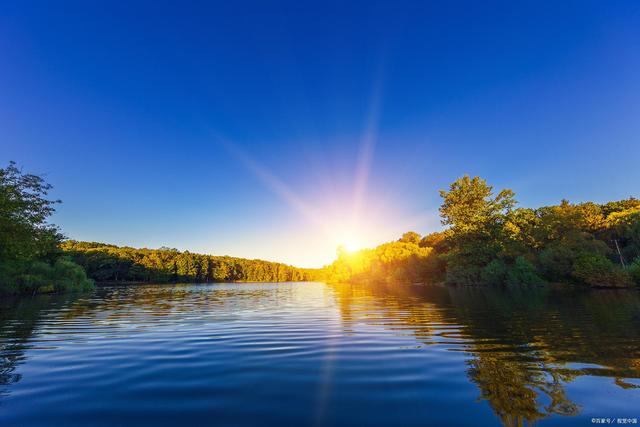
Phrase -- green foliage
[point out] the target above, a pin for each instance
(494, 273)
(477, 222)
(400, 261)
(598, 271)
(491, 241)
(41, 277)
(24, 209)
(556, 262)
(520, 272)
(634, 271)
(410, 237)
(437, 241)
(109, 263)
(30, 260)
(470, 205)
(557, 259)
(462, 271)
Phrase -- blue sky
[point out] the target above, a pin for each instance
(277, 130)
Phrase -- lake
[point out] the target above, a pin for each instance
(313, 354)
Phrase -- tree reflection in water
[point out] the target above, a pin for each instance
(524, 344)
(19, 319)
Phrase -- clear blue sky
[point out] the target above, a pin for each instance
(276, 131)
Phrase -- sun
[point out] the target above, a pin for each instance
(351, 243)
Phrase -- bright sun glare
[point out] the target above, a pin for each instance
(351, 243)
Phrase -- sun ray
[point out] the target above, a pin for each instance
(272, 182)
(367, 146)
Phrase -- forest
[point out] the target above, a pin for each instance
(109, 263)
(489, 240)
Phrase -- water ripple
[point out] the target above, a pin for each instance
(316, 354)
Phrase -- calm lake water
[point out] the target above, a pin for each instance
(311, 354)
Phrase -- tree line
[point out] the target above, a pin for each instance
(36, 258)
(110, 263)
(488, 239)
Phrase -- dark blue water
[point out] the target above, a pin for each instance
(319, 355)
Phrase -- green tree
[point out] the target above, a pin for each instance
(30, 259)
(410, 237)
(25, 234)
(470, 205)
(477, 221)
(598, 271)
